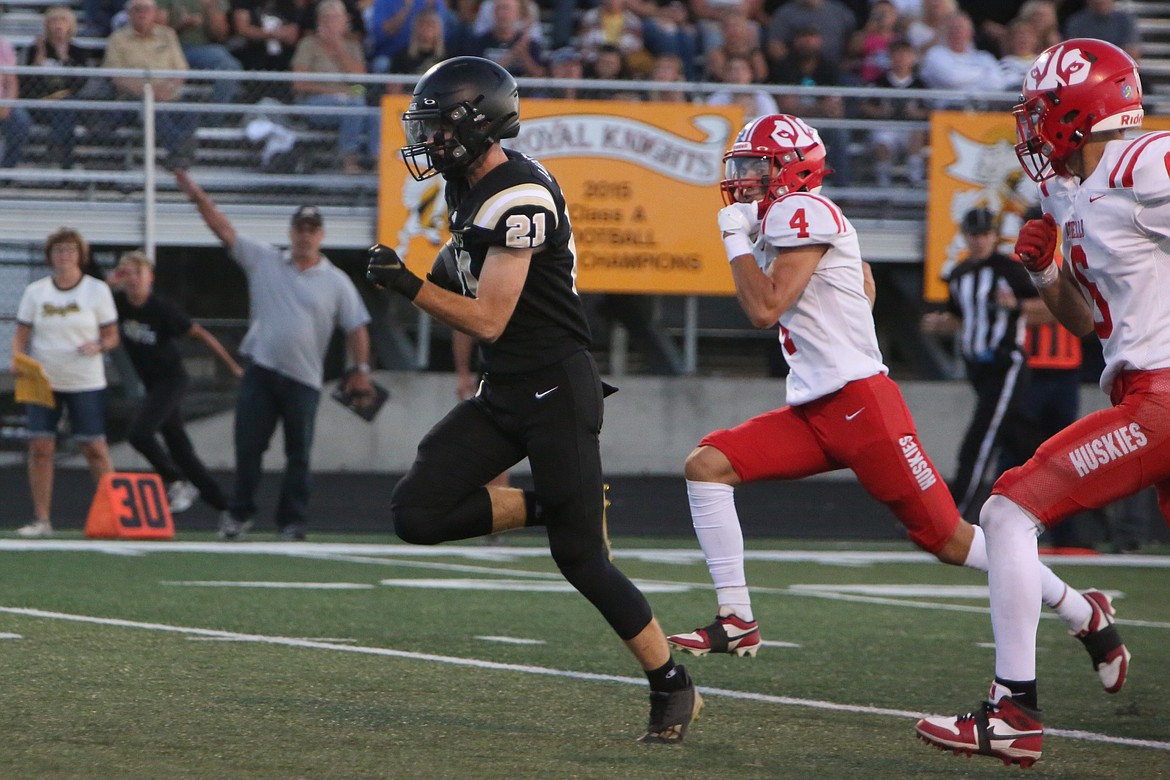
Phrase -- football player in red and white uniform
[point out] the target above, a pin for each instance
(1111, 198)
(795, 260)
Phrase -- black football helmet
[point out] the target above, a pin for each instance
(459, 108)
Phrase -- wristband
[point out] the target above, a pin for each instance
(737, 244)
(408, 285)
(1045, 278)
(362, 368)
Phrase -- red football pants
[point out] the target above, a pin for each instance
(1103, 457)
(865, 426)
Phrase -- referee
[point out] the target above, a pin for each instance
(989, 295)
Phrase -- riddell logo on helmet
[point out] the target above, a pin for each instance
(1132, 119)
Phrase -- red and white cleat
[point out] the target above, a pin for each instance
(1006, 730)
(1099, 636)
(728, 634)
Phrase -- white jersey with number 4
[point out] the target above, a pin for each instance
(1115, 228)
(827, 335)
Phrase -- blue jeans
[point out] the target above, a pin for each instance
(215, 56)
(174, 129)
(353, 129)
(87, 415)
(266, 398)
(15, 130)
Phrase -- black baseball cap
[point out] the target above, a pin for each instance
(978, 221)
(310, 215)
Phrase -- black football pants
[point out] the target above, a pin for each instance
(553, 416)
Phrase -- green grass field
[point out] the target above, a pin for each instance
(185, 659)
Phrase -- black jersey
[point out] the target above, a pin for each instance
(519, 205)
(990, 332)
(149, 332)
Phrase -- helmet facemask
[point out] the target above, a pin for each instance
(1040, 156)
(764, 178)
(749, 179)
(447, 141)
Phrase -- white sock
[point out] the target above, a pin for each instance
(1055, 592)
(977, 555)
(1014, 576)
(717, 528)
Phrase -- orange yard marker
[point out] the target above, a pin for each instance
(130, 505)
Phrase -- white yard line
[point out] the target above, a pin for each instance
(477, 663)
(275, 585)
(681, 556)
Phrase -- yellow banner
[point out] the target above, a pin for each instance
(973, 164)
(641, 181)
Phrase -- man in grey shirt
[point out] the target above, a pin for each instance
(297, 298)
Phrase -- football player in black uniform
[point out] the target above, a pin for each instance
(507, 277)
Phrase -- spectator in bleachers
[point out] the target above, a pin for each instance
(667, 29)
(353, 11)
(146, 45)
(1021, 48)
(529, 19)
(956, 64)
(426, 46)
(807, 66)
(15, 122)
(741, 38)
(612, 23)
(1101, 19)
(56, 47)
(459, 27)
(565, 63)
(738, 70)
(509, 44)
(330, 51)
(203, 28)
(990, 19)
(869, 48)
(390, 25)
(669, 68)
(266, 35)
(928, 28)
(65, 321)
(609, 65)
(709, 15)
(99, 17)
(831, 18)
(1041, 14)
(891, 145)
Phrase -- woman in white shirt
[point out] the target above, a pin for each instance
(66, 321)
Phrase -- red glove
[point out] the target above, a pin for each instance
(1036, 244)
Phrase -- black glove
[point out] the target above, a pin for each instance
(387, 270)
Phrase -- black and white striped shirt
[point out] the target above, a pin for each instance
(990, 332)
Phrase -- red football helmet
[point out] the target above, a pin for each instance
(1075, 88)
(771, 156)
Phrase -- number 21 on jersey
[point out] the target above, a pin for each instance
(525, 232)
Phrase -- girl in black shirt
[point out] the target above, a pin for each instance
(149, 326)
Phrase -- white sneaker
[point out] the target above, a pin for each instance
(230, 528)
(181, 495)
(37, 529)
